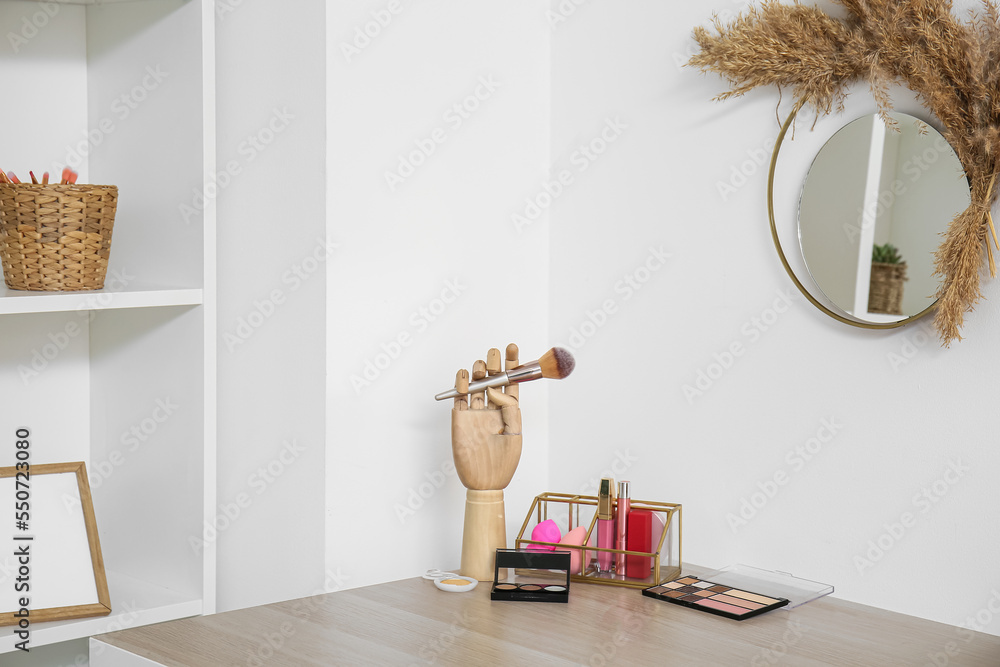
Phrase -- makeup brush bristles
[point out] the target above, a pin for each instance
(556, 364)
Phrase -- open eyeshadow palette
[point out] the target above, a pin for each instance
(531, 576)
(718, 599)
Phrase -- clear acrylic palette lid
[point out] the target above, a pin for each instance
(771, 583)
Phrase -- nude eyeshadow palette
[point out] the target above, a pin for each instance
(531, 576)
(718, 599)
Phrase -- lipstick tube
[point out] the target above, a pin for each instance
(622, 507)
(605, 524)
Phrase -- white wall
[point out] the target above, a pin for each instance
(905, 409)
(677, 174)
(271, 228)
(56, 54)
(432, 260)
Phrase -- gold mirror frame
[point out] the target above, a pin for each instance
(943, 58)
(784, 260)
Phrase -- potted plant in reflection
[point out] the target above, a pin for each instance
(885, 293)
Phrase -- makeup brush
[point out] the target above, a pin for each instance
(555, 364)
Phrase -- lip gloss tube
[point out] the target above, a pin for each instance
(605, 524)
(621, 524)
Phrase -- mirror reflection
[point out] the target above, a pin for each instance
(872, 209)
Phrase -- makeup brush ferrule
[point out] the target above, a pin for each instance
(524, 373)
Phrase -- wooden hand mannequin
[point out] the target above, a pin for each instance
(486, 445)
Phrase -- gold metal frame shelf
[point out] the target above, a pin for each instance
(664, 566)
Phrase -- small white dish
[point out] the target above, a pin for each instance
(456, 584)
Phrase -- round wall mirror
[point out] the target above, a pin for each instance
(872, 210)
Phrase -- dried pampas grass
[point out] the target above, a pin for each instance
(952, 65)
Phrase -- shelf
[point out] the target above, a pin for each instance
(14, 302)
(124, 92)
(133, 603)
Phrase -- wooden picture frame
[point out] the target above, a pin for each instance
(66, 569)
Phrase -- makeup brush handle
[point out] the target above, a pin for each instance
(500, 380)
(513, 376)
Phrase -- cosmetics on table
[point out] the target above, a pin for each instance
(639, 537)
(575, 538)
(771, 583)
(718, 599)
(655, 545)
(450, 582)
(546, 531)
(606, 524)
(622, 506)
(456, 584)
(531, 576)
(614, 531)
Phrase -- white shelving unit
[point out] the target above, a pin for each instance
(122, 378)
(14, 302)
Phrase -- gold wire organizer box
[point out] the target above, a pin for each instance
(566, 510)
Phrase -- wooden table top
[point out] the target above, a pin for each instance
(410, 622)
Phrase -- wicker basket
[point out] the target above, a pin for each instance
(885, 294)
(56, 238)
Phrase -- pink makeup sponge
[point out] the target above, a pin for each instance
(546, 531)
(575, 538)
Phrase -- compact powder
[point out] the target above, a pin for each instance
(555, 589)
(530, 587)
(505, 587)
(456, 582)
(673, 584)
(687, 581)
